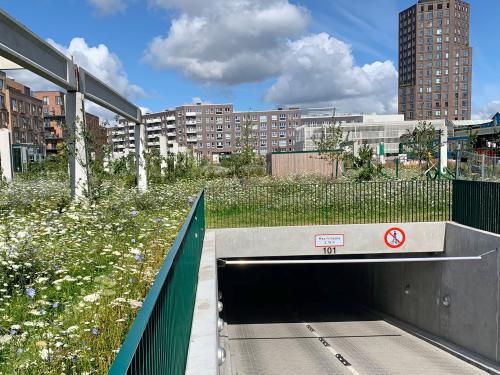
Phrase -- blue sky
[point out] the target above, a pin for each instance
(258, 54)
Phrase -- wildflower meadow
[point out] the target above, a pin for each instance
(73, 275)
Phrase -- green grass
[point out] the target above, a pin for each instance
(286, 204)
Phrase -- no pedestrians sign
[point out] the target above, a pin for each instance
(395, 238)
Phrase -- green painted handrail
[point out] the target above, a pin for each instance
(158, 340)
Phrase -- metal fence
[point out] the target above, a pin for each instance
(158, 341)
(327, 203)
(477, 204)
(478, 167)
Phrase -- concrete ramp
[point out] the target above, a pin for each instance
(358, 239)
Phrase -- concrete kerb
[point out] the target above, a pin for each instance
(204, 342)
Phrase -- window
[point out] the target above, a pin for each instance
(274, 117)
(263, 126)
(1, 84)
(2, 101)
(58, 100)
(14, 105)
(263, 119)
(282, 134)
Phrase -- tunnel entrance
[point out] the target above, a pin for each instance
(316, 319)
(297, 293)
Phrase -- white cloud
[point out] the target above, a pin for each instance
(99, 61)
(487, 111)
(227, 41)
(320, 70)
(230, 42)
(33, 81)
(102, 63)
(145, 110)
(109, 7)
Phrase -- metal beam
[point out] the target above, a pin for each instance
(103, 95)
(21, 46)
(347, 261)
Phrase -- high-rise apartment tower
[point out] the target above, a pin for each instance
(435, 61)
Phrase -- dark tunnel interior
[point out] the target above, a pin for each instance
(294, 293)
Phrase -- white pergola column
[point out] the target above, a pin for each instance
(6, 155)
(140, 160)
(77, 151)
(163, 151)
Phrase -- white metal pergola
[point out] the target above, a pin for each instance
(22, 49)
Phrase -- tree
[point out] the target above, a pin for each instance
(367, 168)
(242, 162)
(331, 145)
(421, 142)
(472, 141)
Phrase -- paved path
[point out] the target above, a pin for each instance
(349, 345)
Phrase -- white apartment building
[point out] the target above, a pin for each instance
(371, 130)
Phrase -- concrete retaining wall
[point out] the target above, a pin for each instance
(457, 301)
(300, 241)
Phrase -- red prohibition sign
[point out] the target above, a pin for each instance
(395, 238)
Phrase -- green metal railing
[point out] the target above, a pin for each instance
(158, 341)
(477, 204)
(328, 203)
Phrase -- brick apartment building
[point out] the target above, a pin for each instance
(212, 130)
(21, 113)
(54, 117)
(274, 130)
(435, 61)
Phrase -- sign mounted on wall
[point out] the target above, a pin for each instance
(395, 238)
(329, 240)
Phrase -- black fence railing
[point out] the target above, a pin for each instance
(296, 204)
(477, 204)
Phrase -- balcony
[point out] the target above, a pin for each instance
(190, 114)
(171, 134)
(153, 121)
(170, 118)
(192, 139)
(171, 126)
(191, 131)
(191, 122)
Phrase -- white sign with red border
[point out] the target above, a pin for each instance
(395, 238)
(329, 240)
